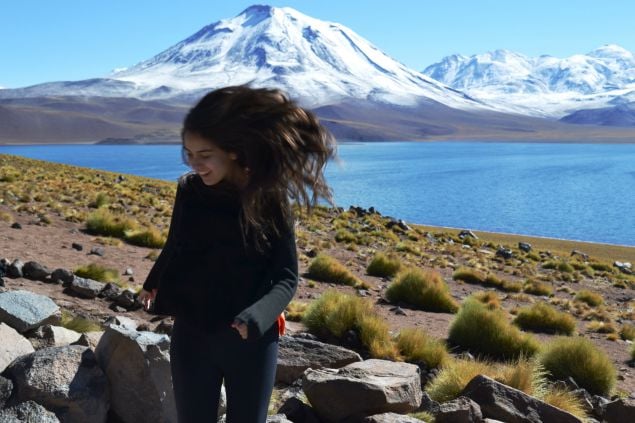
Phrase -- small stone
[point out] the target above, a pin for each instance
(128, 272)
(76, 246)
(16, 225)
(98, 251)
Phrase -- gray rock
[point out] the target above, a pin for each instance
(66, 380)
(86, 288)
(15, 269)
(165, 327)
(62, 276)
(467, 234)
(505, 253)
(89, 339)
(391, 418)
(524, 246)
(128, 300)
(24, 310)
(77, 246)
(27, 412)
(6, 388)
(619, 411)
(295, 355)
(52, 336)
(460, 410)
(501, 402)
(98, 251)
(122, 321)
(624, 267)
(363, 389)
(584, 256)
(12, 345)
(298, 411)
(35, 271)
(110, 291)
(278, 418)
(137, 365)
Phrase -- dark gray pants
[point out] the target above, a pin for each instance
(201, 361)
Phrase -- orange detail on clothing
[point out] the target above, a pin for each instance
(281, 324)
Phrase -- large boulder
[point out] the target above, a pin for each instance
(363, 389)
(391, 418)
(35, 271)
(502, 402)
(66, 380)
(12, 345)
(459, 410)
(137, 365)
(27, 412)
(295, 355)
(620, 410)
(6, 388)
(24, 310)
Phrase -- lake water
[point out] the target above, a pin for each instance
(571, 191)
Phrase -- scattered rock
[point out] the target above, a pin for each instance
(625, 267)
(110, 291)
(86, 288)
(52, 336)
(165, 327)
(582, 255)
(467, 234)
(128, 272)
(66, 380)
(35, 271)
(89, 339)
(296, 354)
(24, 310)
(63, 276)
(524, 246)
(27, 412)
(505, 253)
(363, 389)
(391, 418)
(6, 389)
(501, 402)
(297, 411)
(619, 411)
(128, 300)
(460, 410)
(137, 365)
(123, 321)
(16, 225)
(15, 269)
(398, 311)
(76, 246)
(98, 251)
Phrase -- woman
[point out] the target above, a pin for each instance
(229, 266)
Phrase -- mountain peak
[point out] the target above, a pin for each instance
(611, 51)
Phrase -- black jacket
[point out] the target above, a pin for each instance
(206, 273)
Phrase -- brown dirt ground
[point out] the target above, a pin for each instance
(50, 245)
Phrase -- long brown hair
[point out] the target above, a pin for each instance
(283, 146)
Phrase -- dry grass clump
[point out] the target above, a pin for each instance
(104, 222)
(633, 352)
(580, 359)
(295, 311)
(97, 272)
(383, 265)
(565, 400)
(541, 317)
(489, 298)
(589, 297)
(416, 346)
(468, 275)
(488, 332)
(424, 289)
(601, 327)
(535, 287)
(328, 269)
(6, 217)
(151, 238)
(627, 332)
(335, 313)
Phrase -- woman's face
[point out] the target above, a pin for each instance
(210, 162)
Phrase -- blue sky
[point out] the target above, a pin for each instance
(43, 41)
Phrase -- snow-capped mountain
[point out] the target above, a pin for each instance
(541, 85)
(315, 61)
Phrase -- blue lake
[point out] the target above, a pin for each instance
(571, 191)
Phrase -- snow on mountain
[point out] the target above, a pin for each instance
(316, 61)
(542, 85)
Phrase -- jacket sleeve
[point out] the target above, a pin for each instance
(152, 280)
(283, 279)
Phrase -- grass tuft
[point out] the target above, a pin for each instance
(580, 359)
(295, 311)
(418, 347)
(327, 269)
(78, 323)
(589, 297)
(535, 287)
(541, 317)
(150, 238)
(488, 332)
(425, 290)
(97, 272)
(383, 265)
(104, 222)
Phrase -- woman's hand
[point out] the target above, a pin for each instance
(146, 298)
(241, 328)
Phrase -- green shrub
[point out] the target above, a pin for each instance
(327, 269)
(97, 272)
(103, 222)
(488, 332)
(601, 267)
(342, 235)
(589, 297)
(565, 400)
(295, 311)
(78, 323)
(383, 266)
(101, 199)
(489, 298)
(537, 288)
(416, 346)
(150, 238)
(541, 317)
(580, 359)
(335, 313)
(425, 290)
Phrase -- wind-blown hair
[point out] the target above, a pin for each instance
(283, 146)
